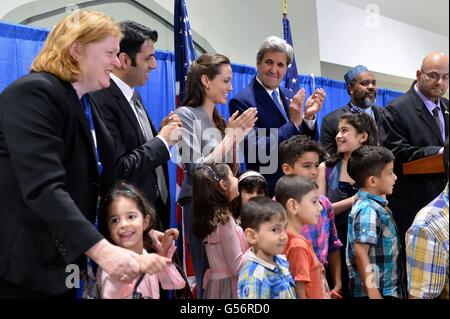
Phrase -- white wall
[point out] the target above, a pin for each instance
(329, 36)
(347, 38)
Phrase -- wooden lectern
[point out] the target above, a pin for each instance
(427, 165)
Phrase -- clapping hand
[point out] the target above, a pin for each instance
(314, 104)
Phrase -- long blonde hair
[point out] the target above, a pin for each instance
(82, 26)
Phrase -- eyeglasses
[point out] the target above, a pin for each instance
(435, 77)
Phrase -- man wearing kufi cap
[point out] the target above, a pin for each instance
(362, 88)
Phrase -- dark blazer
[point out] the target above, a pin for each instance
(269, 116)
(412, 133)
(330, 123)
(49, 182)
(135, 159)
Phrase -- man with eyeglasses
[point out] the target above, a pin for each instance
(416, 126)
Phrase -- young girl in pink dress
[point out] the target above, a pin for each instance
(126, 219)
(215, 187)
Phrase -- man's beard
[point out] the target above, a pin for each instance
(366, 102)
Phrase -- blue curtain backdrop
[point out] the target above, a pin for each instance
(20, 44)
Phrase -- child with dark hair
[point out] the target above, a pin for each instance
(214, 187)
(127, 220)
(373, 248)
(250, 184)
(354, 131)
(300, 196)
(301, 156)
(266, 274)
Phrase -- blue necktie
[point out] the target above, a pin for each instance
(278, 104)
(87, 110)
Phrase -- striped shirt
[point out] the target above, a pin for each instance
(370, 222)
(261, 280)
(427, 250)
(323, 235)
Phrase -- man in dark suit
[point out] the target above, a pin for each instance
(416, 126)
(278, 108)
(135, 136)
(362, 88)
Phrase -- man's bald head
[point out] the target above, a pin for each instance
(432, 78)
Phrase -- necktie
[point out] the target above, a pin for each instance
(436, 118)
(88, 112)
(148, 134)
(278, 104)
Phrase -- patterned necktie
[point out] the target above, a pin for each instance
(278, 104)
(436, 118)
(148, 134)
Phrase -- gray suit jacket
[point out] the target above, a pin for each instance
(199, 137)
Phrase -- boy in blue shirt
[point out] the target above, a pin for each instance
(266, 273)
(373, 247)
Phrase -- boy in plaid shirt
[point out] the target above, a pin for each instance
(266, 273)
(373, 247)
(427, 248)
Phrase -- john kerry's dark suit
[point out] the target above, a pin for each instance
(269, 116)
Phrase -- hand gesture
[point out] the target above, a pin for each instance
(241, 125)
(169, 118)
(171, 129)
(118, 262)
(296, 107)
(151, 263)
(164, 242)
(314, 104)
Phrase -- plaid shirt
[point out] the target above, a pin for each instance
(323, 235)
(261, 280)
(370, 222)
(427, 250)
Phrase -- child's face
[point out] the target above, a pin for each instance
(309, 208)
(232, 186)
(247, 195)
(271, 238)
(306, 165)
(126, 224)
(384, 184)
(348, 139)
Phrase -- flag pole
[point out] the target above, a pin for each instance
(284, 8)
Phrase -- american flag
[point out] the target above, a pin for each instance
(184, 55)
(291, 73)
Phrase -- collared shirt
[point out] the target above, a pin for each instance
(370, 222)
(261, 280)
(128, 92)
(430, 107)
(309, 123)
(323, 235)
(427, 241)
(356, 109)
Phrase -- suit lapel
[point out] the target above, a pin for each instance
(444, 105)
(154, 131)
(126, 108)
(78, 108)
(265, 101)
(286, 103)
(425, 115)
